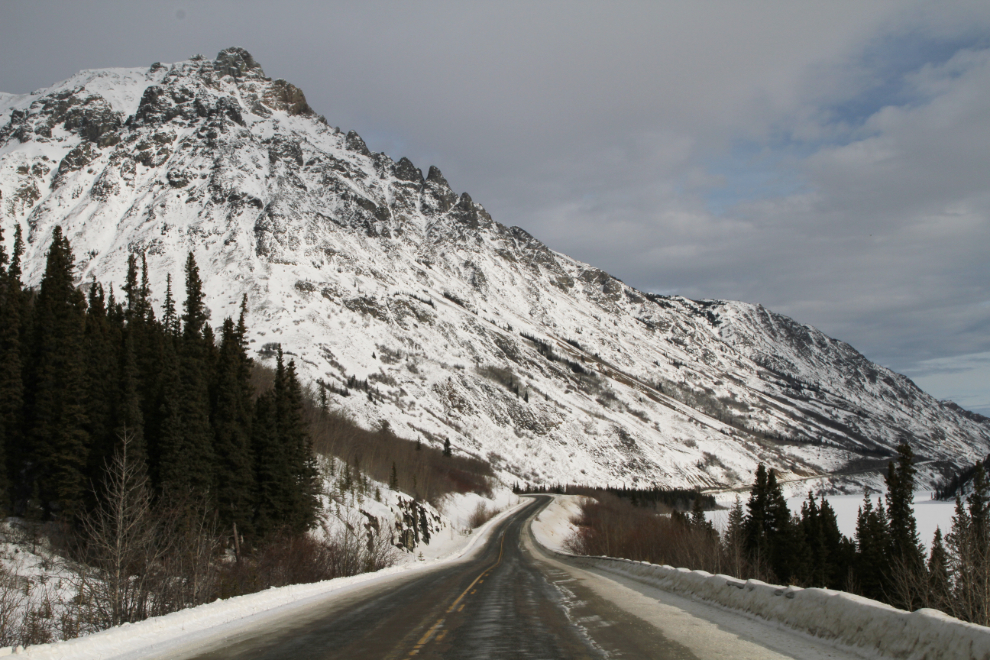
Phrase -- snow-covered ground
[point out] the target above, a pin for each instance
(928, 512)
(553, 527)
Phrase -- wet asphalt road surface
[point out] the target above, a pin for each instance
(507, 601)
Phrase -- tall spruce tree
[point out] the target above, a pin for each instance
(129, 417)
(939, 582)
(167, 452)
(58, 439)
(785, 540)
(905, 558)
(768, 528)
(904, 541)
(296, 444)
(9, 409)
(11, 375)
(232, 424)
(170, 318)
(755, 525)
(102, 340)
(872, 547)
(197, 449)
(273, 475)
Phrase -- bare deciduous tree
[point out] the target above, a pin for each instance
(124, 546)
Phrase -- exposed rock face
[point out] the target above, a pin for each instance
(463, 328)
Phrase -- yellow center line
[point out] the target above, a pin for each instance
(501, 547)
(478, 580)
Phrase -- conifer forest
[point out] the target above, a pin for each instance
(86, 374)
(764, 540)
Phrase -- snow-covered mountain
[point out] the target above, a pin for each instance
(463, 328)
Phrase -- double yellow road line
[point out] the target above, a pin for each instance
(425, 639)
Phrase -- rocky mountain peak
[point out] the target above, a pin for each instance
(416, 306)
(237, 63)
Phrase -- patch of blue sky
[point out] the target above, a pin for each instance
(887, 66)
(752, 172)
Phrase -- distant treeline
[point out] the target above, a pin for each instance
(950, 488)
(657, 498)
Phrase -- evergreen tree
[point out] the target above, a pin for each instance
(59, 442)
(272, 474)
(194, 309)
(904, 542)
(102, 340)
(756, 524)
(296, 444)
(168, 460)
(784, 539)
(813, 569)
(978, 503)
(735, 539)
(143, 308)
(129, 418)
(131, 288)
(698, 519)
(232, 425)
(969, 547)
(393, 482)
(170, 318)
(446, 447)
(939, 584)
(424, 524)
(197, 434)
(10, 382)
(839, 550)
(872, 546)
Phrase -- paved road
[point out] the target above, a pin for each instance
(512, 600)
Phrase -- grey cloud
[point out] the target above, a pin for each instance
(595, 127)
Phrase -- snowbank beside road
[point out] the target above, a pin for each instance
(858, 623)
(553, 526)
(862, 625)
(172, 634)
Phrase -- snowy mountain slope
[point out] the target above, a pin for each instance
(462, 328)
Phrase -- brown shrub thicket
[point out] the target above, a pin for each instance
(610, 526)
(421, 471)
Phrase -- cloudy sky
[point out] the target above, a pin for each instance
(828, 160)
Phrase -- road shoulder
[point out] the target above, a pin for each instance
(704, 629)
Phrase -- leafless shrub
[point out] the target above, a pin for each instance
(481, 515)
(11, 599)
(123, 542)
(422, 470)
(612, 527)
